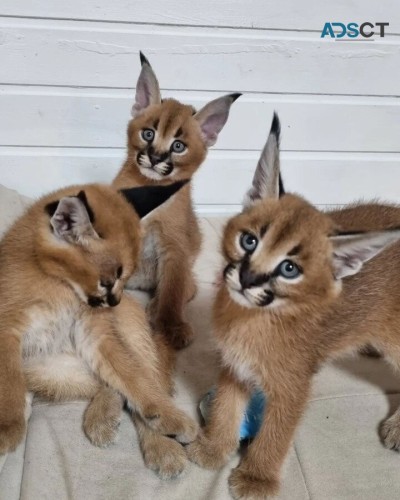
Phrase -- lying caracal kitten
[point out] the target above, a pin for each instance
(288, 302)
(64, 265)
(168, 141)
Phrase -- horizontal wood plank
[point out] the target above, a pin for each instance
(259, 14)
(86, 54)
(85, 118)
(323, 178)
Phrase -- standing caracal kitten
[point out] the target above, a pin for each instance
(67, 328)
(168, 141)
(295, 292)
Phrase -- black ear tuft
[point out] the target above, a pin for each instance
(147, 198)
(51, 208)
(276, 127)
(143, 59)
(82, 196)
(281, 186)
(235, 96)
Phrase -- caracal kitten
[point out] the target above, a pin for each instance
(68, 330)
(168, 141)
(295, 292)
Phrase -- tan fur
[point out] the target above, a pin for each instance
(173, 237)
(279, 345)
(63, 347)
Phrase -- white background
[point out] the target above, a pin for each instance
(68, 70)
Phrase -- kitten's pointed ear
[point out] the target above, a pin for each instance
(351, 251)
(213, 116)
(147, 198)
(267, 182)
(147, 88)
(71, 220)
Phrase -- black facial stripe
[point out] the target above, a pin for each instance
(112, 300)
(179, 132)
(267, 299)
(248, 278)
(156, 124)
(94, 301)
(263, 230)
(295, 250)
(169, 169)
(227, 269)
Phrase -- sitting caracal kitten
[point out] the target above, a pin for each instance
(295, 292)
(67, 326)
(168, 141)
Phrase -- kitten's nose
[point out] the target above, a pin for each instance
(250, 279)
(107, 284)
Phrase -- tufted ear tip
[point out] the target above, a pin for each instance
(235, 96)
(143, 59)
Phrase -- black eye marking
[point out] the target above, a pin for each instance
(179, 132)
(295, 250)
(263, 230)
(156, 124)
(119, 272)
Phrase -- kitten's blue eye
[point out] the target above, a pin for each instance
(288, 269)
(248, 242)
(148, 134)
(178, 147)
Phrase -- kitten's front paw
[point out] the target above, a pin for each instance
(390, 433)
(165, 457)
(207, 454)
(102, 418)
(172, 422)
(11, 434)
(244, 486)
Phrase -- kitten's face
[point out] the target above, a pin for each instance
(278, 255)
(91, 237)
(164, 142)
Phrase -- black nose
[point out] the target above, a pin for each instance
(249, 279)
(112, 300)
(107, 284)
(94, 301)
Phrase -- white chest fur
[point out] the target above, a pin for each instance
(145, 277)
(236, 361)
(50, 331)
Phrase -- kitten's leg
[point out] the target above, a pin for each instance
(257, 476)
(390, 431)
(60, 377)
(130, 366)
(103, 416)
(166, 309)
(12, 391)
(163, 455)
(220, 438)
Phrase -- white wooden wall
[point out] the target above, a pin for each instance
(68, 69)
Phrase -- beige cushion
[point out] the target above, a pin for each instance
(336, 454)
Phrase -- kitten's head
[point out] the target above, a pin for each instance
(284, 254)
(168, 140)
(91, 237)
